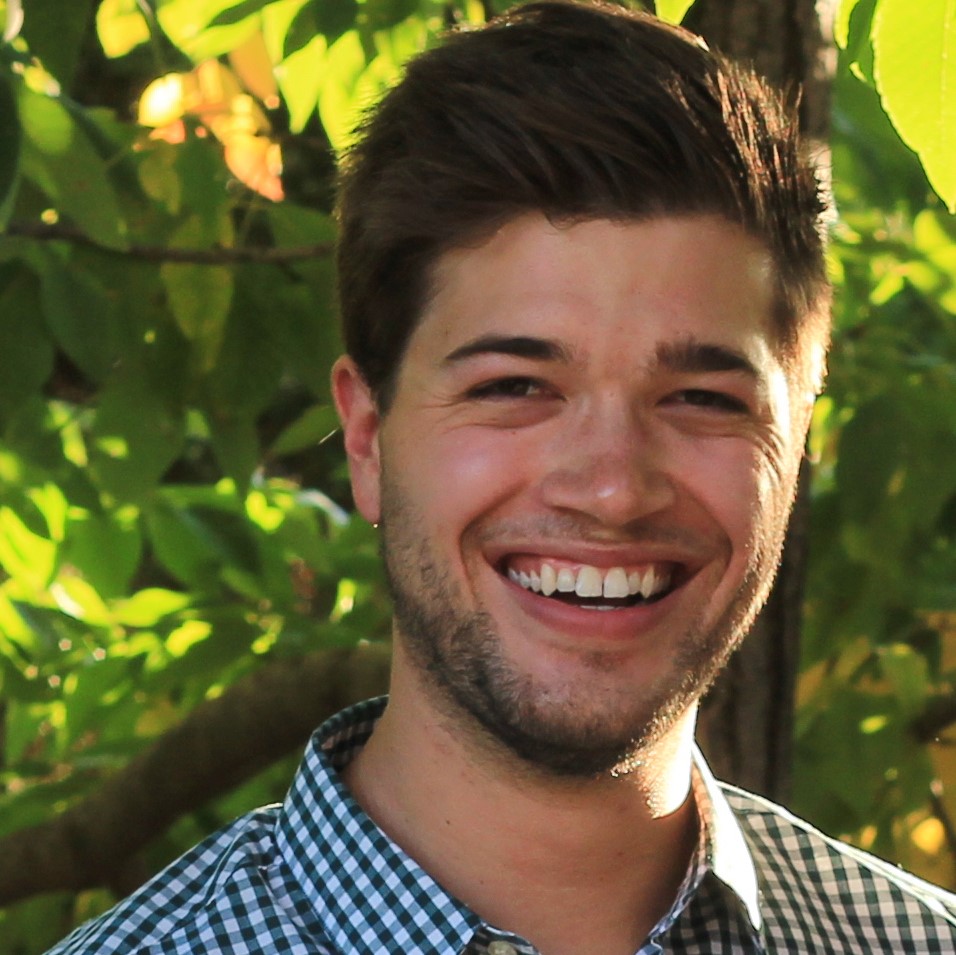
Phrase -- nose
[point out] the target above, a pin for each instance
(608, 465)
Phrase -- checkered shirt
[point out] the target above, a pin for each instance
(315, 876)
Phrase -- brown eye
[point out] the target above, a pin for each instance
(514, 387)
(717, 400)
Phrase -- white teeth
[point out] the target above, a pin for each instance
(615, 583)
(565, 582)
(589, 583)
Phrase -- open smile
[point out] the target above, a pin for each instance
(591, 587)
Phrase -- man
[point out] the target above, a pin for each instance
(585, 310)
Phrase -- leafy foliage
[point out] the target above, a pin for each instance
(906, 52)
(874, 760)
(167, 324)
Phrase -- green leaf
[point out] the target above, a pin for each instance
(934, 234)
(195, 542)
(136, 436)
(841, 22)
(351, 86)
(311, 427)
(26, 348)
(121, 26)
(35, 925)
(204, 180)
(673, 11)
(235, 441)
(250, 361)
(94, 689)
(385, 14)
(160, 178)
(78, 599)
(204, 29)
(301, 69)
(54, 31)
(333, 17)
(24, 554)
(872, 168)
(105, 549)
(199, 296)
(82, 317)
(9, 148)
(914, 49)
(852, 29)
(908, 675)
(208, 649)
(869, 456)
(60, 159)
(147, 607)
(852, 26)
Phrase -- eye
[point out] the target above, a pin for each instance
(512, 387)
(716, 400)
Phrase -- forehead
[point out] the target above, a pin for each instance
(603, 288)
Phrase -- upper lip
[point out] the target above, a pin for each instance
(596, 555)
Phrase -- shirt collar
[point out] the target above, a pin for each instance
(370, 896)
(728, 856)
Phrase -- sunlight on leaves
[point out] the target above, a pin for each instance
(121, 26)
(673, 11)
(914, 49)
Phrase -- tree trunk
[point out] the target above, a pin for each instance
(746, 725)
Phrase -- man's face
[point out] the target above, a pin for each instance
(583, 481)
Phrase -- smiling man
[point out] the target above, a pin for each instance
(582, 480)
(586, 312)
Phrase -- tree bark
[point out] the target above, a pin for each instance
(746, 725)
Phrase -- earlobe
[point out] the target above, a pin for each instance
(359, 415)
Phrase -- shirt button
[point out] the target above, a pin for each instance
(501, 948)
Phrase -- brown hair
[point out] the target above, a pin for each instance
(579, 111)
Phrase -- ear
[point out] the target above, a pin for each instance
(360, 426)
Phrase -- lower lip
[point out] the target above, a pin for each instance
(618, 624)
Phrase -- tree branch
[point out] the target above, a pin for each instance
(219, 744)
(43, 232)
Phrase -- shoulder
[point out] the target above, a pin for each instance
(834, 894)
(196, 903)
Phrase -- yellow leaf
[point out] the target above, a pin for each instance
(216, 87)
(257, 163)
(253, 66)
(121, 27)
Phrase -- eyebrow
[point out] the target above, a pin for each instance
(687, 355)
(518, 346)
(690, 355)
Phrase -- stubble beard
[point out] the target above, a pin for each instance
(555, 729)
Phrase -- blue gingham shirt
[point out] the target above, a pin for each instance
(315, 876)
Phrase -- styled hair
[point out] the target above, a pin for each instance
(578, 111)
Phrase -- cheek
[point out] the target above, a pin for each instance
(460, 476)
(740, 489)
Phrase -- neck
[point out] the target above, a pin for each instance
(573, 865)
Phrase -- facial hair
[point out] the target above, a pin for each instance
(567, 730)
